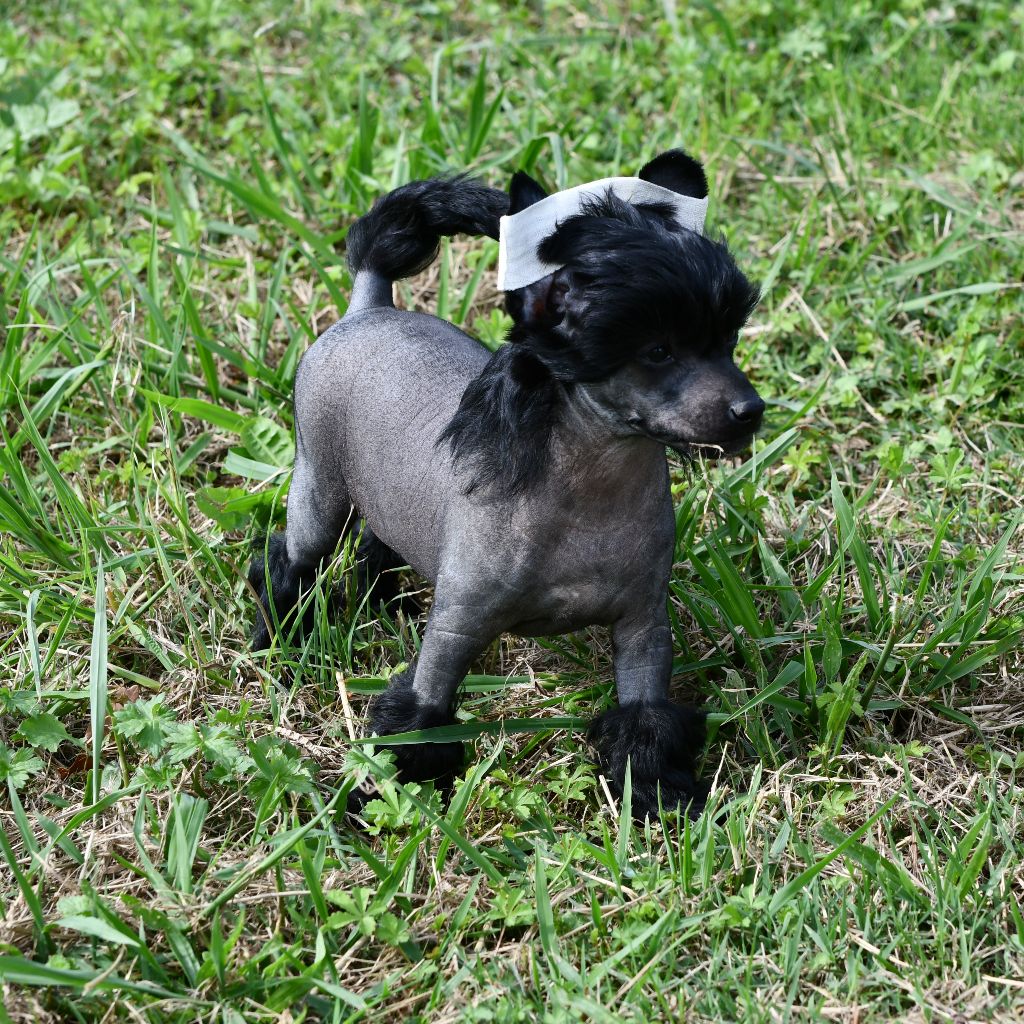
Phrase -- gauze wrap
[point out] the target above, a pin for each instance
(521, 233)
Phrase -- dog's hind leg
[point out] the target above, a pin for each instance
(423, 696)
(659, 740)
(284, 566)
(376, 566)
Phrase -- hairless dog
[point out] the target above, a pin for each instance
(531, 485)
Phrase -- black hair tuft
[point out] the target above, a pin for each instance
(660, 741)
(634, 271)
(502, 428)
(398, 709)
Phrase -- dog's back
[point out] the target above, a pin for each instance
(371, 399)
(376, 390)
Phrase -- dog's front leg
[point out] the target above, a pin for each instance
(423, 696)
(660, 740)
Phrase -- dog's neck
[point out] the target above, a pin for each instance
(591, 450)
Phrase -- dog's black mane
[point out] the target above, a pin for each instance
(633, 276)
(503, 425)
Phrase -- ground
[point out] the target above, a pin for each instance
(175, 187)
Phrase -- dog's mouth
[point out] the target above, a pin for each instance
(689, 447)
(710, 449)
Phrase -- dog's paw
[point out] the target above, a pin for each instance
(397, 710)
(276, 583)
(660, 741)
(686, 794)
(280, 584)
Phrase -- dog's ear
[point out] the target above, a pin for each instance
(523, 192)
(677, 171)
(541, 304)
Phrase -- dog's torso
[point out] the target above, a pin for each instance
(594, 538)
(372, 396)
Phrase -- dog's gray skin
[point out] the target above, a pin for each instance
(591, 543)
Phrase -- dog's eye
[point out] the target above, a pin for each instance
(660, 354)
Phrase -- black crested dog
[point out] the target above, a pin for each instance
(530, 486)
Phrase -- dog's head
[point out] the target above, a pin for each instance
(644, 316)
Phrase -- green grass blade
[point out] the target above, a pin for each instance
(98, 682)
(794, 886)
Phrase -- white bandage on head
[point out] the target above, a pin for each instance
(521, 233)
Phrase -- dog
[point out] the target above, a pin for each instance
(529, 486)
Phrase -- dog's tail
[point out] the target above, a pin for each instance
(399, 236)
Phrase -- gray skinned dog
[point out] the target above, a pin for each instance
(531, 485)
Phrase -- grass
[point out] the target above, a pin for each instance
(849, 601)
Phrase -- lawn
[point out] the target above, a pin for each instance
(176, 182)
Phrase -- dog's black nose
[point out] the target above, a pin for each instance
(747, 411)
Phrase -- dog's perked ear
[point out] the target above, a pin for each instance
(677, 171)
(541, 304)
(524, 191)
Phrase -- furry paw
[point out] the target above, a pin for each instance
(661, 741)
(396, 710)
(287, 583)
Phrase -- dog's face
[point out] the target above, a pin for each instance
(643, 318)
(693, 398)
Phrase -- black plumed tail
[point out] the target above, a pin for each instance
(399, 236)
